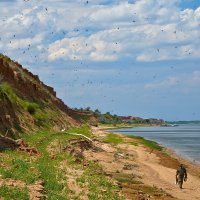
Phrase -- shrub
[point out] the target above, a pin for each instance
(32, 107)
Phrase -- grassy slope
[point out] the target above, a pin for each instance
(47, 167)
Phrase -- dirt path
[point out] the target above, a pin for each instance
(162, 177)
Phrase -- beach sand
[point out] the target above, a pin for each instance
(144, 173)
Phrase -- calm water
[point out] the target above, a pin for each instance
(183, 139)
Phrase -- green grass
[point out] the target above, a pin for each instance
(54, 178)
(9, 193)
(7, 89)
(147, 143)
(21, 170)
(98, 185)
(152, 145)
(113, 138)
(32, 107)
(85, 130)
(20, 166)
(137, 140)
(127, 178)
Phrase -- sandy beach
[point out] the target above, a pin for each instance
(152, 168)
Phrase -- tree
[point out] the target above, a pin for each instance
(108, 113)
(88, 109)
(97, 111)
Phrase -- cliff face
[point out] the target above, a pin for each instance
(27, 104)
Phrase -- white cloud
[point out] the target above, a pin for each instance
(182, 83)
(144, 31)
(196, 77)
(170, 53)
(168, 83)
(25, 42)
(94, 47)
(141, 40)
(112, 14)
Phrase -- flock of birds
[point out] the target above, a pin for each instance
(86, 30)
(37, 57)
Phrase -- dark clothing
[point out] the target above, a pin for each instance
(181, 174)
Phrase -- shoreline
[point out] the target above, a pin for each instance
(194, 166)
(182, 157)
(156, 168)
(172, 151)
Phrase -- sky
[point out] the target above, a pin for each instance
(127, 57)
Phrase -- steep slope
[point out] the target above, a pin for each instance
(27, 104)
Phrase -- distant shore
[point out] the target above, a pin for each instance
(110, 127)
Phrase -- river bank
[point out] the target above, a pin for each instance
(183, 139)
(153, 168)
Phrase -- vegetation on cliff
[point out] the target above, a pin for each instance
(115, 120)
(27, 104)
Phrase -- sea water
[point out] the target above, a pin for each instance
(183, 139)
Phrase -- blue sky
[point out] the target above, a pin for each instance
(135, 57)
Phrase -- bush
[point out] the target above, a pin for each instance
(31, 108)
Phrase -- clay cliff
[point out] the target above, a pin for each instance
(27, 104)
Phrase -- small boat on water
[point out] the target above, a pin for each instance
(174, 125)
(169, 125)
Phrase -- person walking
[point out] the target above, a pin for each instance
(181, 175)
